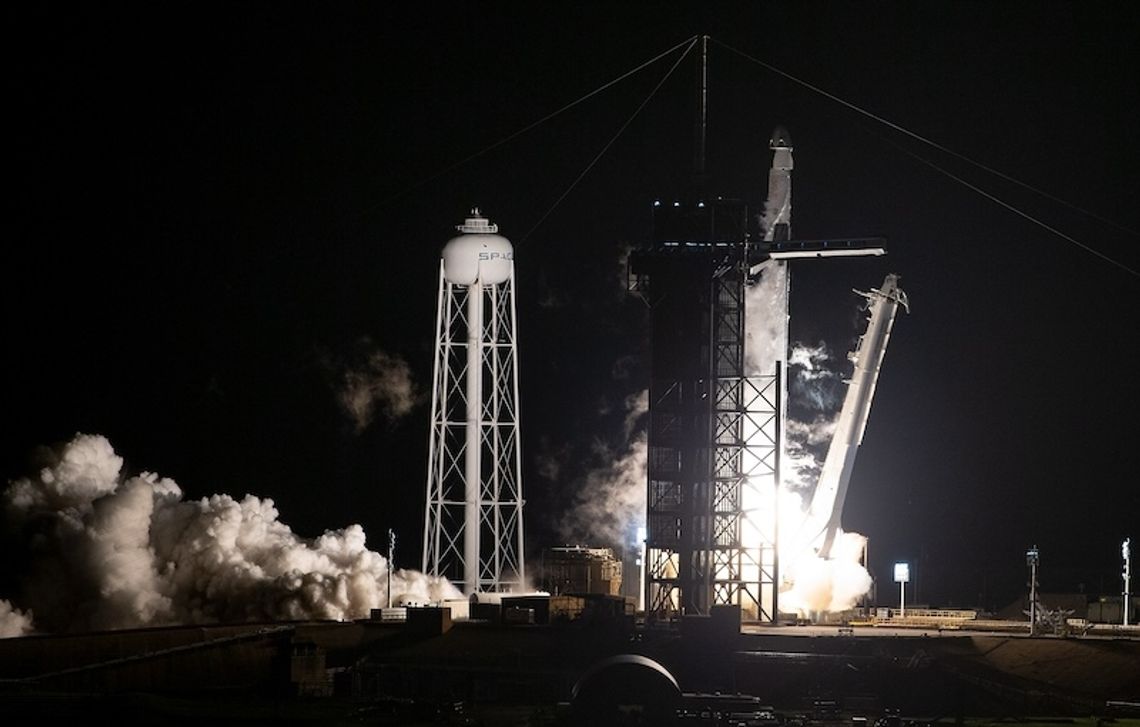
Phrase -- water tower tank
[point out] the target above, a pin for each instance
(477, 254)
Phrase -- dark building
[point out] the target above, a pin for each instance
(693, 275)
(580, 569)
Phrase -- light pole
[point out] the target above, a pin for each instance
(1031, 558)
(902, 576)
(1126, 552)
(391, 557)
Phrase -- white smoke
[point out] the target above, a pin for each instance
(609, 502)
(636, 407)
(13, 621)
(817, 431)
(811, 383)
(381, 384)
(106, 552)
(766, 333)
(835, 584)
(800, 467)
(814, 377)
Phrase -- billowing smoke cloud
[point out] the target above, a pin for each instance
(835, 584)
(609, 502)
(636, 407)
(815, 390)
(382, 384)
(103, 551)
(13, 621)
(766, 335)
(815, 383)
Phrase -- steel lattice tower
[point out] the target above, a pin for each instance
(714, 433)
(473, 524)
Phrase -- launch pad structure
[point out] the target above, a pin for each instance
(716, 433)
(717, 414)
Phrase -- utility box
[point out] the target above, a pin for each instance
(491, 612)
(539, 606)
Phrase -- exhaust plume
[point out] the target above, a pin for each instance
(104, 551)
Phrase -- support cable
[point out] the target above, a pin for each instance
(1013, 209)
(652, 93)
(541, 121)
(951, 152)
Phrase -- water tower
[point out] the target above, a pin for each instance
(473, 524)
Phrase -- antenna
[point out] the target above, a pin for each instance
(700, 128)
(391, 559)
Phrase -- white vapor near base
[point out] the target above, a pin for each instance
(105, 552)
(381, 384)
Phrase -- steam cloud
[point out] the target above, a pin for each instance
(609, 503)
(13, 622)
(382, 384)
(100, 551)
(814, 384)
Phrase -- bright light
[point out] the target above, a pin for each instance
(902, 572)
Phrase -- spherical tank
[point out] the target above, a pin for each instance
(478, 253)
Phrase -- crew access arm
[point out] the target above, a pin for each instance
(831, 491)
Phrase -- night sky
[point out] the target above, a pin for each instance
(217, 210)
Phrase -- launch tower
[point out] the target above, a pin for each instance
(473, 523)
(716, 432)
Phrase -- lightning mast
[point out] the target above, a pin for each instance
(473, 525)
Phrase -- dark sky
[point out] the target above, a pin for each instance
(214, 210)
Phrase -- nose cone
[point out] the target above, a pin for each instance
(781, 139)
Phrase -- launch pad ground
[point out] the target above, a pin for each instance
(480, 673)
